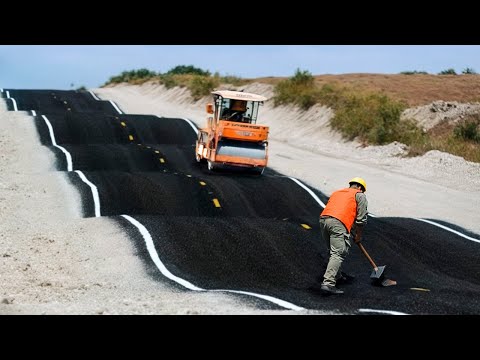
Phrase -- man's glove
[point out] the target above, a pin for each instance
(357, 239)
(358, 234)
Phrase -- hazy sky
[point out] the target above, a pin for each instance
(61, 66)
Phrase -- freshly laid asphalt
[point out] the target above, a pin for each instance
(240, 231)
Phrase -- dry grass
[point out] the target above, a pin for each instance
(413, 90)
(368, 107)
(441, 137)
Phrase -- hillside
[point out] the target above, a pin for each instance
(424, 112)
(414, 90)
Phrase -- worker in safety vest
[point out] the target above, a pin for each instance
(345, 209)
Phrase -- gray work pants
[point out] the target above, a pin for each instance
(338, 243)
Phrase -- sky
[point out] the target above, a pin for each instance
(71, 66)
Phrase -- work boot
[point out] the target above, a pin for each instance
(331, 290)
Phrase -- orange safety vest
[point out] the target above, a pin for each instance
(342, 205)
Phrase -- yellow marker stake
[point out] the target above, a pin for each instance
(157, 152)
(123, 124)
(202, 183)
(130, 137)
(306, 226)
(420, 289)
(216, 203)
(161, 160)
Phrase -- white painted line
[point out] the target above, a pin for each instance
(15, 108)
(279, 302)
(14, 104)
(323, 205)
(54, 143)
(389, 312)
(448, 229)
(93, 94)
(96, 198)
(374, 216)
(154, 255)
(308, 190)
(34, 113)
(192, 125)
(315, 196)
(116, 107)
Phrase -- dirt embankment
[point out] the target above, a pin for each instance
(430, 115)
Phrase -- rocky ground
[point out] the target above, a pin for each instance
(427, 116)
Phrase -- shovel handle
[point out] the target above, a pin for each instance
(367, 256)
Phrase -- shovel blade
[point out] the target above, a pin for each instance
(377, 274)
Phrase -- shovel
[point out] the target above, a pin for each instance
(377, 275)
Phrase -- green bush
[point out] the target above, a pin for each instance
(414, 72)
(302, 78)
(409, 133)
(198, 81)
(468, 129)
(187, 69)
(199, 85)
(202, 86)
(299, 90)
(143, 73)
(447, 72)
(333, 96)
(469, 71)
(131, 76)
(169, 81)
(373, 118)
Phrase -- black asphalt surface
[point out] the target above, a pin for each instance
(144, 166)
(58, 101)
